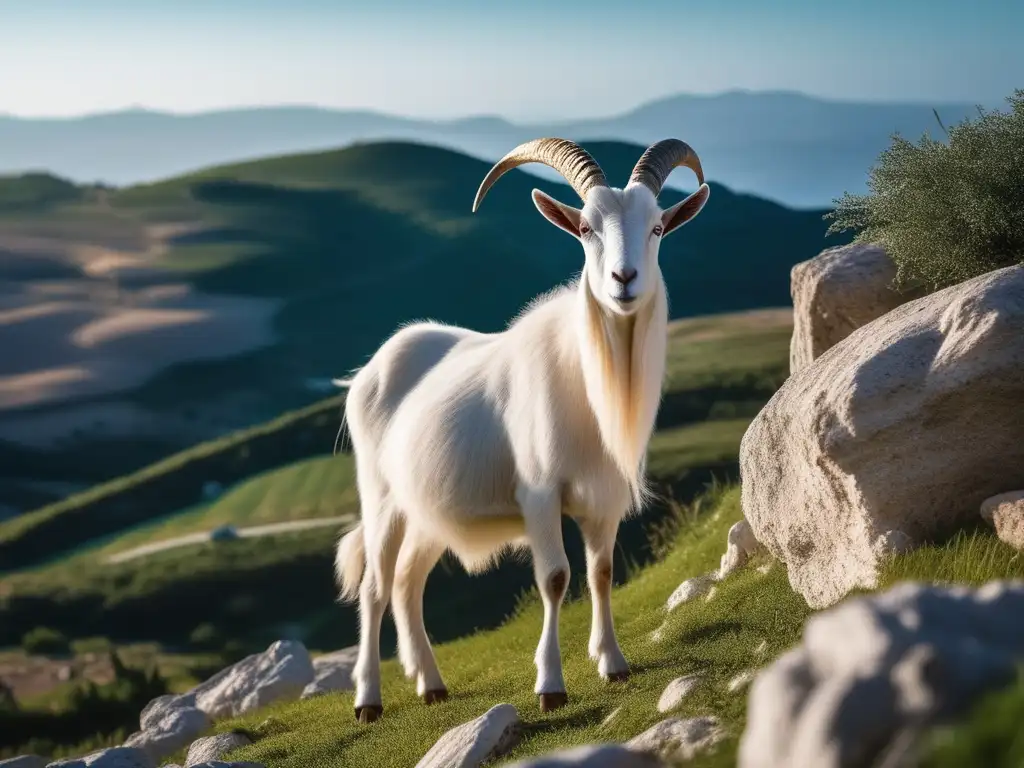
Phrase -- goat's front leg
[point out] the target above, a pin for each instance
(599, 540)
(542, 512)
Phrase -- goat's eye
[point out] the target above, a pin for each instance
(657, 230)
(584, 229)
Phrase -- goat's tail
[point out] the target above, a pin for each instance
(350, 563)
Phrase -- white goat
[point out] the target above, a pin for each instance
(477, 442)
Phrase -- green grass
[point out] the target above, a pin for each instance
(750, 618)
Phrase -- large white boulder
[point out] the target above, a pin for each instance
(895, 434)
(677, 739)
(837, 292)
(881, 666)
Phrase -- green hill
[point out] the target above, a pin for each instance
(349, 244)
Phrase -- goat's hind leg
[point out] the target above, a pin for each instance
(416, 560)
(542, 514)
(382, 546)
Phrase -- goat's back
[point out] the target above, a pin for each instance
(391, 374)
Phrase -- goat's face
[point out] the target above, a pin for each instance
(621, 231)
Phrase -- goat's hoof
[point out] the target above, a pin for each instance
(618, 677)
(552, 701)
(436, 695)
(369, 713)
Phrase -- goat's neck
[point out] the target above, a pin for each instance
(623, 364)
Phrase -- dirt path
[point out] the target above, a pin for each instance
(250, 532)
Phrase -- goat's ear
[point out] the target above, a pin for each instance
(561, 215)
(680, 213)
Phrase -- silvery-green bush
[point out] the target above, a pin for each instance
(946, 210)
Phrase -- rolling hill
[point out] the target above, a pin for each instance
(790, 147)
(136, 322)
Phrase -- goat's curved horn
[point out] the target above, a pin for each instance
(660, 159)
(567, 157)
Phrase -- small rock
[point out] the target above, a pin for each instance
(611, 716)
(688, 590)
(175, 729)
(470, 744)
(675, 739)
(1005, 513)
(741, 546)
(594, 756)
(761, 648)
(211, 748)
(676, 691)
(64, 673)
(24, 761)
(659, 632)
(742, 680)
(332, 672)
(115, 757)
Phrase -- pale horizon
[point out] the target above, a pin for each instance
(525, 64)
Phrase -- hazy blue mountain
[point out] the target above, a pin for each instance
(799, 150)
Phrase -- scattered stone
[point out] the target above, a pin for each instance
(213, 748)
(892, 438)
(470, 744)
(740, 548)
(659, 632)
(594, 756)
(115, 757)
(675, 739)
(332, 672)
(1005, 513)
(168, 730)
(881, 667)
(676, 691)
(688, 590)
(837, 292)
(742, 680)
(24, 761)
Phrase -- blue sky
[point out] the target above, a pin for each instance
(526, 60)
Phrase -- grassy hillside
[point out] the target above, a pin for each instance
(749, 619)
(721, 370)
(347, 245)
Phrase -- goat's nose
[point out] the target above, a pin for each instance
(627, 276)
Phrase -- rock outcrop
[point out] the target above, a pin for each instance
(873, 671)
(172, 722)
(470, 744)
(896, 434)
(837, 292)
(1005, 513)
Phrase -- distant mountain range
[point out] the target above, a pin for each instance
(789, 147)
